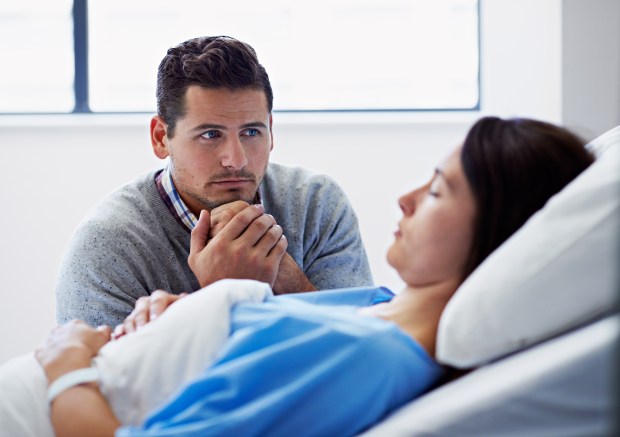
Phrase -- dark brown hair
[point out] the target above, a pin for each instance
(210, 62)
(513, 167)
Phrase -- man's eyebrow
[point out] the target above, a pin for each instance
(207, 126)
(254, 124)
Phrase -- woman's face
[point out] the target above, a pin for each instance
(434, 236)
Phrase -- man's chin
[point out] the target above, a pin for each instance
(233, 197)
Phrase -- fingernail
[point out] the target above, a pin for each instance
(259, 206)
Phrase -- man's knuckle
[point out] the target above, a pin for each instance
(244, 219)
(158, 296)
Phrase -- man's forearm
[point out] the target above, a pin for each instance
(290, 278)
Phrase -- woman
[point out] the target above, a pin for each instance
(339, 364)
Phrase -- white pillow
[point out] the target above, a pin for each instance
(558, 271)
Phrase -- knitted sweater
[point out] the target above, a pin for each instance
(130, 244)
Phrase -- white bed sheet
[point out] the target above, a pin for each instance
(139, 371)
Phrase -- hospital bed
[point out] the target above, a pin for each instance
(536, 328)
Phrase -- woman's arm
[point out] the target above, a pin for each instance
(81, 409)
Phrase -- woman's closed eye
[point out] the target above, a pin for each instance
(433, 189)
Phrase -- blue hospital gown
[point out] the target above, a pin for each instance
(300, 365)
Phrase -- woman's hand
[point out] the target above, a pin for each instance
(147, 309)
(81, 409)
(69, 347)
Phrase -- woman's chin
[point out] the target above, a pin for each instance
(390, 256)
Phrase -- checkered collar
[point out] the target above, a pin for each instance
(175, 204)
(173, 200)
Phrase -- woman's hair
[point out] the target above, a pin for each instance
(513, 167)
(210, 62)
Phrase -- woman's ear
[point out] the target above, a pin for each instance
(159, 137)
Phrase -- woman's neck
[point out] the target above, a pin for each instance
(416, 310)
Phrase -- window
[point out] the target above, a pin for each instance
(36, 42)
(325, 55)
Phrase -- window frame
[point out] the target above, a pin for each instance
(81, 78)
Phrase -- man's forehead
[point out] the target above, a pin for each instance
(221, 106)
(249, 95)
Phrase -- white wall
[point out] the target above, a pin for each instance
(591, 55)
(55, 168)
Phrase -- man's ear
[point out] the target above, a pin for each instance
(271, 129)
(159, 138)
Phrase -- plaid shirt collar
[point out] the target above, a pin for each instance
(173, 201)
(175, 204)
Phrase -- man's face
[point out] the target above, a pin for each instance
(220, 148)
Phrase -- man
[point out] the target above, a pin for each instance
(245, 217)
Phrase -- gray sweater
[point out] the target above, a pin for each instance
(130, 244)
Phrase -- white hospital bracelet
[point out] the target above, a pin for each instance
(71, 379)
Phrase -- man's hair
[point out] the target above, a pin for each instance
(210, 62)
(513, 167)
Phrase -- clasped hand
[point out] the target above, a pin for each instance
(236, 241)
(265, 261)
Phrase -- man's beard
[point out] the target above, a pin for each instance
(210, 204)
(234, 195)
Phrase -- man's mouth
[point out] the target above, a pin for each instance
(232, 182)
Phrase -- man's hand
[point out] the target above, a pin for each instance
(290, 277)
(70, 347)
(147, 309)
(223, 214)
(250, 246)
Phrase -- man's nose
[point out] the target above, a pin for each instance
(233, 155)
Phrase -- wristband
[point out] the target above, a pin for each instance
(71, 379)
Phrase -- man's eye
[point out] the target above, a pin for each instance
(210, 134)
(252, 132)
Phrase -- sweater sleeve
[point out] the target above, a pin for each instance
(100, 276)
(320, 225)
(335, 256)
(128, 246)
